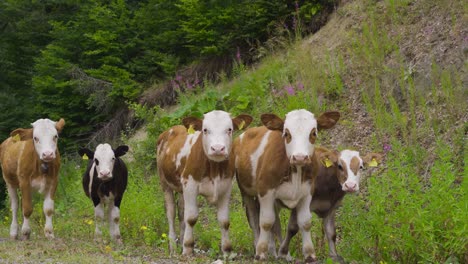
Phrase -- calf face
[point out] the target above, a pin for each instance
(104, 159)
(44, 135)
(300, 132)
(217, 128)
(349, 165)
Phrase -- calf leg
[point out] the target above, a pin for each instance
(276, 233)
(180, 215)
(267, 219)
(330, 232)
(13, 193)
(170, 214)
(293, 228)
(26, 203)
(99, 218)
(190, 193)
(114, 220)
(48, 208)
(223, 219)
(252, 210)
(303, 220)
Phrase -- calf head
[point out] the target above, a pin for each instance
(349, 165)
(104, 159)
(217, 128)
(299, 130)
(44, 135)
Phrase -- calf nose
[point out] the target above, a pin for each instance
(300, 157)
(351, 186)
(104, 173)
(218, 149)
(47, 155)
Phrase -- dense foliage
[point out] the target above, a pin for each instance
(84, 60)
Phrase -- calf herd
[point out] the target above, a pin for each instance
(276, 166)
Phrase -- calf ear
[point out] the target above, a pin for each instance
(22, 134)
(89, 153)
(272, 122)
(195, 123)
(372, 159)
(121, 150)
(241, 121)
(328, 120)
(328, 158)
(59, 125)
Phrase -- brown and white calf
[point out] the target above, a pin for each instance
(339, 173)
(104, 182)
(276, 162)
(30, 161)
(196, 159)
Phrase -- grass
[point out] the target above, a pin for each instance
(412, 209)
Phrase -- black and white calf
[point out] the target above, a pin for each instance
(104, 182)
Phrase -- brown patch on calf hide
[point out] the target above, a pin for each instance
(313, 136)
(342, 173)
(273, 167)
(355, 164)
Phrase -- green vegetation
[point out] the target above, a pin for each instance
(369, 63)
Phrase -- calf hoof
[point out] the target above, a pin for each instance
(26, 236)
(311, 260)
(14, 236)
(286, 257)
(260, 257)
(187, 251)
(338, 259)
(49, 234)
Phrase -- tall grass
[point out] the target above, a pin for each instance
(411, 209)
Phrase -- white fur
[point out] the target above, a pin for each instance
(190, 193)
(290, 193)
(45, 138)
(300, 124)
(48, 207)
(255, 156)
(353, 179)
(106, 157)
(12, 192)
(217, 125)
(185, 150)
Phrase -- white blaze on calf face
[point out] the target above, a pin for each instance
(298, 126)
(45, 138)
(217, 135)
(104, 159)
(350, 163)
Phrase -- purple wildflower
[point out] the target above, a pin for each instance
(289, 89)
(296, 5)
(188, 85)
(387, 147)
(300, 86)
(178, 77)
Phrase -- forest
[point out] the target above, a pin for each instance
(124, 71)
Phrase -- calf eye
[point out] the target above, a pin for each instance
(361, 167)
(205, 131)
(96, 161)
(229, 131)
(36, 139)
(55, 138)
(340, 167)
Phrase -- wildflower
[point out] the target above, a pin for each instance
(143, 228)
(296, 5)
(164, 236)
(107, 249)
(387, 148)
(300, 86)
(290, 89)
(178, 77)
(89, 222)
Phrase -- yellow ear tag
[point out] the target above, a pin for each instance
(241, 125)
(373, 163)
(327, 162)
(85, 157)
(190, 130)
(16, 138)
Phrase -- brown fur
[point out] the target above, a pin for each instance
(21, 165)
